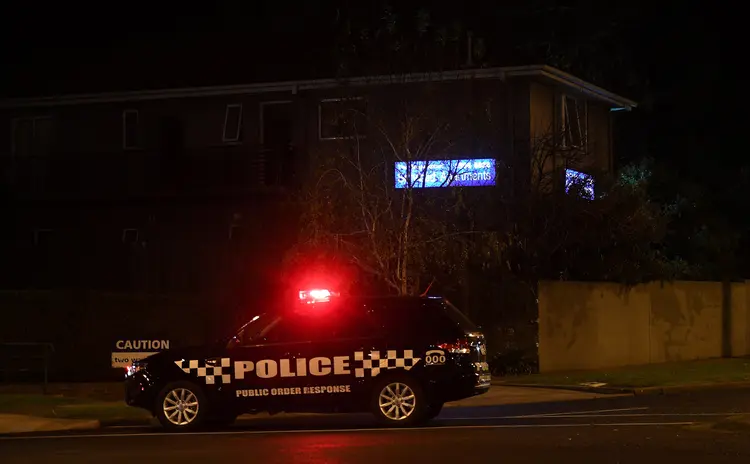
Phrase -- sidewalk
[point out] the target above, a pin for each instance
(507, 394)
(604, 390)
(17, 423)
(650, 379)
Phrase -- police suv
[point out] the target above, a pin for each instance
(400, 358)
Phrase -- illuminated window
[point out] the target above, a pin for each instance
(445, 173)
(342, 118)
(580, 182)
(233, 123)
(130, 129)
(575, 127)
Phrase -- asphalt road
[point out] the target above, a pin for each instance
(602, 430)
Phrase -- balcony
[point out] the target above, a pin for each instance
(216, 170)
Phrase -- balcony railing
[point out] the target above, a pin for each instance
(134, 173)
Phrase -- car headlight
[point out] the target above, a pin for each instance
(132, 369)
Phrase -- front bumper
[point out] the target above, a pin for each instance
(471, 381)
(139, 391)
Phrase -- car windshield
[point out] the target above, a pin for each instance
(257, 326)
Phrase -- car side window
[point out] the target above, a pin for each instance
(284, 330)
(393, 320)
(351, 322)
(361, 322)
(327, 329)
(415, 322)
(346, 323)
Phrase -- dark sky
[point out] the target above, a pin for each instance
(664, 55)
(66, 47)
(88, 50)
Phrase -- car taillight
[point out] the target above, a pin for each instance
(458, 346)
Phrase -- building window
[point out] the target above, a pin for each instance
(32, 136)
(129, 236)
(342, 118)
(233, 123)
(236, 229)
(579, 183)
(42, 237)
(575, 122)
(130, 129)
(236, 232)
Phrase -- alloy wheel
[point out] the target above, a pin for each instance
(180, 406)
(397, 401)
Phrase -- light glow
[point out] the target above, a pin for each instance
(315, 295)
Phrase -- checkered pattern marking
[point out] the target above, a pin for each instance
(213, 374)
(374, 363)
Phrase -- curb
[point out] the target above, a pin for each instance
(80, 425)
(147, 422)
(126, 423)
(690, 388)
(640, 391)
(578, 388)
(70, 425)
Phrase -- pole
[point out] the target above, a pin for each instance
(46, 366)
(726, 319)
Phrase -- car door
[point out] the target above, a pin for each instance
(339, 345)
(268, 365)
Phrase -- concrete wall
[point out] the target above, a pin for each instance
(599, 325)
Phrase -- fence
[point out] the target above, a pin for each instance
(85, 328)
(585, 325)
(26, 362)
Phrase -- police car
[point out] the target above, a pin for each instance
(400, 358)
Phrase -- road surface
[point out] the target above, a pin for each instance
(602, 430)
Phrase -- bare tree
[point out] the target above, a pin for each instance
(381, 196)
(376, 200)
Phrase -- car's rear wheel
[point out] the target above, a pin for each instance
(399, 401)
(181, 406)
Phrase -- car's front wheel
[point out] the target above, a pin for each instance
(399, 401)
(181, 406)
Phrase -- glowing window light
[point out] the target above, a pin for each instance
(584, 181)
(445, 173)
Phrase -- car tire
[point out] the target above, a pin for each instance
(181, 406)
(399, 401)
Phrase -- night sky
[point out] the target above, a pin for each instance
(138, 48)
(665, 57)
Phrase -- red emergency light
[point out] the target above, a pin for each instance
(316, 295)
